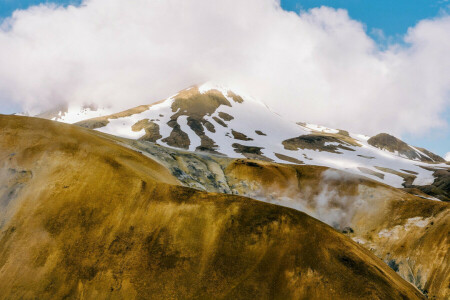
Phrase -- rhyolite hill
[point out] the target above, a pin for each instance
(380, 192)
(86, 217)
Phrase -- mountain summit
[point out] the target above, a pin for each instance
(215, 119)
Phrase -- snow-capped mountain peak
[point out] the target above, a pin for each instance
(216, 119)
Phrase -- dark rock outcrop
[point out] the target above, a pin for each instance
(392, 144)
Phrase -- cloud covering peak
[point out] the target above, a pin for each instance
(317, 66)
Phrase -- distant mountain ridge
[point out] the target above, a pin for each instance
(216, 119)
(73, 113)
(395, 145)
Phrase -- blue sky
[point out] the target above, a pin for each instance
(393, 17)
(8, 6)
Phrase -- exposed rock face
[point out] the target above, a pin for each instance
(98, 220)
(236, 98)
(433, 156)
(225, 116)
(177, 137)
(94, 123)
(392, 144)
(219, 121)
(207, 144)
(195, 106)
(288, 159)
(440, 188)
(344, 133)
(251, 152)
(240, 136)
(100, 122)
(316, 142)
(151, 130)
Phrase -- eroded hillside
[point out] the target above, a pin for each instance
(409, 233)
(88, 218)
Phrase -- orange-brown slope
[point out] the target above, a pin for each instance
(409, 233)
(95, 220)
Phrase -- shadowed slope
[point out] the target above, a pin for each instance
(96, 220)
(408, 233)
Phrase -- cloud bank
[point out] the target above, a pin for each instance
(317, 66)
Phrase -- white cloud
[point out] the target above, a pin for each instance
(447, 156)
(319, 66)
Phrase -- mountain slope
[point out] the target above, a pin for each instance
(88, 218)
(409, 233)
(217, 120)
(393, 144)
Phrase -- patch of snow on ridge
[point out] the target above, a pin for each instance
(163, 112)
(424, 180)
(420, 152)
(252, 115)
(212, 86)
(76, 114)
(320, 128)
(123, 126)
(194, 139)
(222, 137)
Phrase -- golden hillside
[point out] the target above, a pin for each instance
(84, 218)
(407, 232)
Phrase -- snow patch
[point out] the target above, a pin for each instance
(194, 139)
(321, 128)
(76, 114)
(424, 179)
